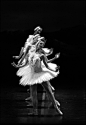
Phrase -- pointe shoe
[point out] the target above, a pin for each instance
(58, 110)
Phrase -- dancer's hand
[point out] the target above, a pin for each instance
(16, 66)
(13, 64)
(57, 55)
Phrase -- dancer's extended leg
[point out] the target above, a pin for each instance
(47, 87)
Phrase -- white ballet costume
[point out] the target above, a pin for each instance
(36, 72)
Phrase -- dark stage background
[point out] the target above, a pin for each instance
(64, 27)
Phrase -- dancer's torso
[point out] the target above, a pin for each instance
(35, 62)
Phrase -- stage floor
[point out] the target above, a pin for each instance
(14, 109)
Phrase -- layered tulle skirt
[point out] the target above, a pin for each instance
(30, 76)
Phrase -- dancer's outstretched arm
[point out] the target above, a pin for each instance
(56, 56)
(19, 64)
(24, 56)
(22, 59)
(51, 60)
(45, 60)
(21, 53)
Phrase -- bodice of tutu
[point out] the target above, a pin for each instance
(33, 59)
(35, 62)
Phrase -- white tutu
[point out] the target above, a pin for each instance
(29, 77)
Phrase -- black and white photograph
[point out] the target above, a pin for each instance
(43, 62)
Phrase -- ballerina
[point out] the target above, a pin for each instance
(35, 68)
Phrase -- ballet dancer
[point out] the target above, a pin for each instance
(36, 68)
